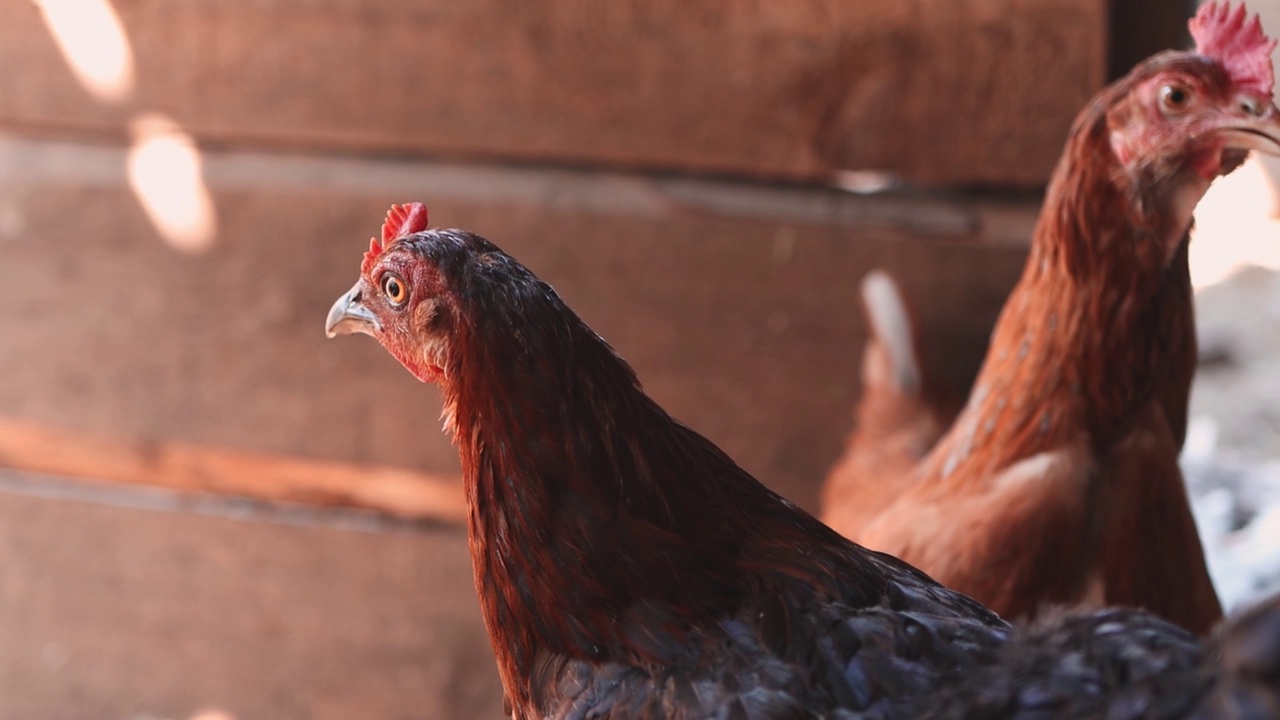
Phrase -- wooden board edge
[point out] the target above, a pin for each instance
(33, 447)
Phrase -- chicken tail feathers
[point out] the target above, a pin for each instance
(891, 355)
(1248, 650)
(896, 420)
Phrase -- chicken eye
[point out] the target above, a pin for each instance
(1175, 98)
(395, 290)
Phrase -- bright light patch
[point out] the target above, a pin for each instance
(92, 41)
(865, 182)
(165, 173)
(213, 715)
(1236, 226)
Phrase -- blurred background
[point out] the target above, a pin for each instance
(209, 512)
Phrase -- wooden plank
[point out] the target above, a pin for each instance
(940, 92)
(182, 466)
(1142, 28)
(737, 304)
(111, 612)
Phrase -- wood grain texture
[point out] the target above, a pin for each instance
(182, 466)
(1142, 28)
(940, 92)
(107, 610)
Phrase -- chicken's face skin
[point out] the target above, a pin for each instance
(402, 302)
(1183, 123)
(1191, 116)
(445, 305)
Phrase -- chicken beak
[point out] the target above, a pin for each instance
(1261, 133)
(349, 316)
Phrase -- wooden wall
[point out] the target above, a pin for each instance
(939, 92)
(737, 305)
(662, 162)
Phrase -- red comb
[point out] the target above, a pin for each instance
(1237, 42)
(401, 220)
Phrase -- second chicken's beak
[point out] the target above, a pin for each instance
(349, 316)
(1261, 133)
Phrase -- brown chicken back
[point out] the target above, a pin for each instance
(898, 419)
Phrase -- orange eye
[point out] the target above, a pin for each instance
(1175, 99)
(394, 288)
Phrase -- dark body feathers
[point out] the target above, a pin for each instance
(627, 568)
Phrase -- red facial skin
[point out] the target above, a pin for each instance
(405, 324)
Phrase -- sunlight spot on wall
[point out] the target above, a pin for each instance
(213, 715)
(165, 173)
(92, 40)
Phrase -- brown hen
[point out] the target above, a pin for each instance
(1058, 483)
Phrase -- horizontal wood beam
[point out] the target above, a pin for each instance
(33, 447)
(736, 303)
(939, 92)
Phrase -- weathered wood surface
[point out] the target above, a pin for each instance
(1141, 28)
(941, 92)
(737, 304)
(115, 612)
(182, 466)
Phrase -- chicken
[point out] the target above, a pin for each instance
(1040, 672)
(899, 417)
(627, 568)
(1058, 483)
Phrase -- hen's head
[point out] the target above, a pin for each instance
(400, 298)
(1202, 110)
(420, 291)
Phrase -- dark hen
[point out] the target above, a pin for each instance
(627, 568)
(625, 564)
(1122, 665)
